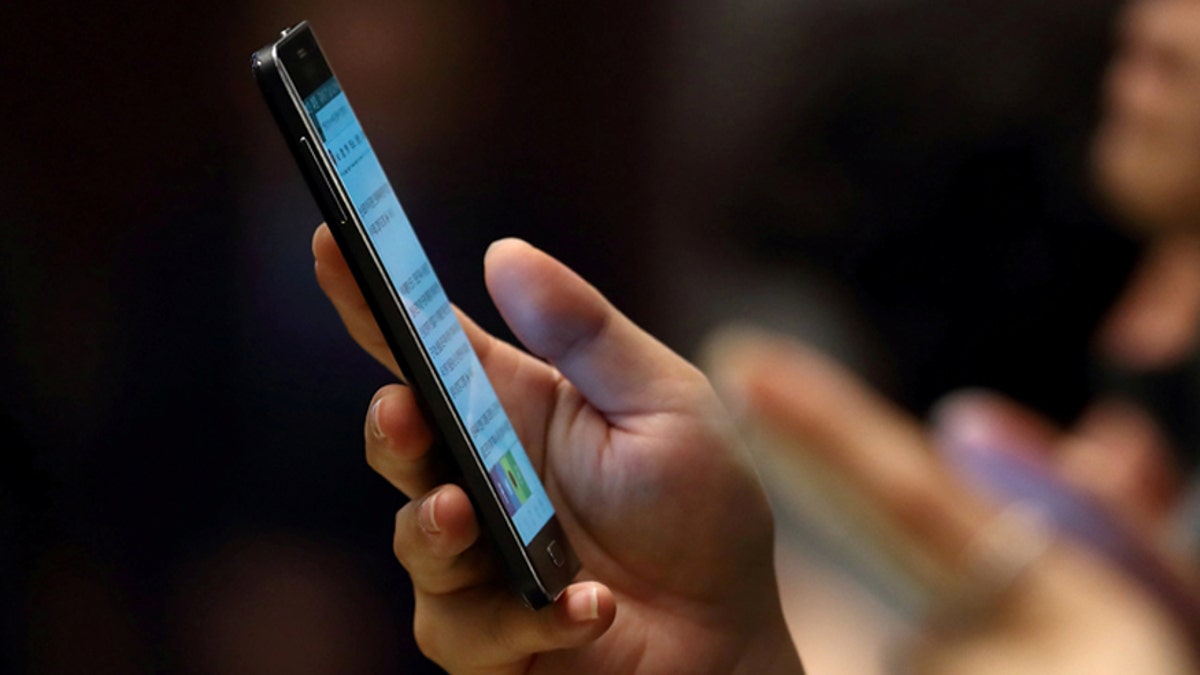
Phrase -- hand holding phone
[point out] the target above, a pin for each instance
(647, 475)
(651, 483)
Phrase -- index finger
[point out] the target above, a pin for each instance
(336, 279)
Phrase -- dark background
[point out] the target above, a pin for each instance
(183, 488)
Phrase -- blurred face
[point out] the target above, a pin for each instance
(1147, 149)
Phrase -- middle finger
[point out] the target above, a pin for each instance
(399, 442)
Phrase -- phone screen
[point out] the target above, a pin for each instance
(416, 286)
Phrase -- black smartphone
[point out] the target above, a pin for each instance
(412, 310)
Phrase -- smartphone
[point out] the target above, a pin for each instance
(414, 314)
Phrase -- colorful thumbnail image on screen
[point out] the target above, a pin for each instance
(507, 478)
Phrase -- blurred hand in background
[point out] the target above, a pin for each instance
(1013, 593)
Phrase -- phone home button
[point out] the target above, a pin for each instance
(555, 552)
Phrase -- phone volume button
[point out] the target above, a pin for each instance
(331, 194)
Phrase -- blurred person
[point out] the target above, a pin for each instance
(1056, 542)
(1120, 485)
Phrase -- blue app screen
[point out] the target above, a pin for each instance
(438, 329)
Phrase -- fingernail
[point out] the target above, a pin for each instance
(373, 420)
(427, 514)
(584, 606)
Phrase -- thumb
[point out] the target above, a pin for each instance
(618, 367)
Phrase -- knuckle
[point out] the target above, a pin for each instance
(401, 542)
(374, 459)
(398, 550)
(427, 634)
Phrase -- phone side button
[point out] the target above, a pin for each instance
(555, 552)
(330, 194)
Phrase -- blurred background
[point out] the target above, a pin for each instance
(901, 182)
